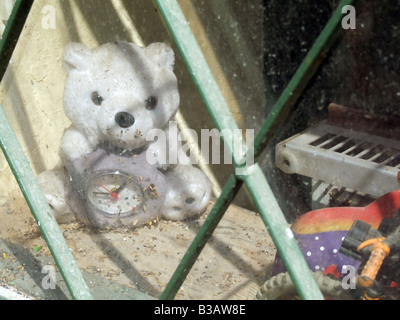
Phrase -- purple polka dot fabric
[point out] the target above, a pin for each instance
(320, 251)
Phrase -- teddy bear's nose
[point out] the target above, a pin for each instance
(124, 119)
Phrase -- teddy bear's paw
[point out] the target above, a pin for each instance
(54, 187)
(189, 193)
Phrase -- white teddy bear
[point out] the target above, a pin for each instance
(115, 95)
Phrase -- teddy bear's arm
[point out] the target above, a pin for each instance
(74, 144)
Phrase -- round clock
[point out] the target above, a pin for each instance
(114, 188)
(115, 194)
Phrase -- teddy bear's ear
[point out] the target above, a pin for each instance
(76, 56)
(162, 54)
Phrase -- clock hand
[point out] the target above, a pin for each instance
(113, 194)
(121, 187)
(102, 193)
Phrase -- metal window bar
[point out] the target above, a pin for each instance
(12, 31)
(25, 176)
(222, 118)
(256, 183)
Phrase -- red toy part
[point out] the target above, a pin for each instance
(332, 270)
(342, 218)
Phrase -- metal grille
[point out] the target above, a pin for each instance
(255, 182)
(341, 157)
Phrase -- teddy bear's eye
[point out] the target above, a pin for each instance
(151, 103)
(96, 98)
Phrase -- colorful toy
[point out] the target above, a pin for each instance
(337, 240)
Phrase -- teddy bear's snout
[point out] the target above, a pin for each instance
(124, 119)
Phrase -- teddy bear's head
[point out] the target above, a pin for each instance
(117, 92)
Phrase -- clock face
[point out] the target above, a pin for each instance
(115, 193)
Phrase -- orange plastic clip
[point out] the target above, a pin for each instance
(367, 297)
(369, 242)
(380, 251)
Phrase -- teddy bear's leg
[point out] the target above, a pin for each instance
(54, 184)
(188, 195)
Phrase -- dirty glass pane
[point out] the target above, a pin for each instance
(345, 159)
(92, 93)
